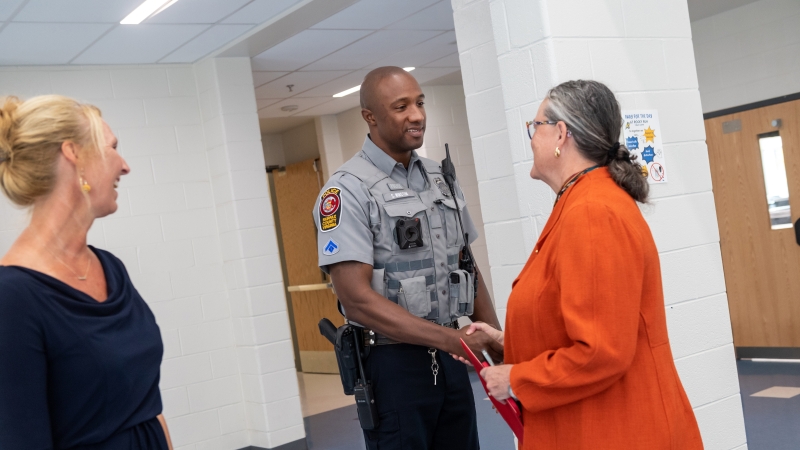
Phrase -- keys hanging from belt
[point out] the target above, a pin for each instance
(435, 365)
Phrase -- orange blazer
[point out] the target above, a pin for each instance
(586, 331)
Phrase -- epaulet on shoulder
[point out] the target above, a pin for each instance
(431, 166)
(362, 169)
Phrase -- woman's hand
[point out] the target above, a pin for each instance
(498, 380)
(494, 333)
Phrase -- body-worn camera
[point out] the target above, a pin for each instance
(408, 233)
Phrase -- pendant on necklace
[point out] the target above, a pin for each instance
(82, 278)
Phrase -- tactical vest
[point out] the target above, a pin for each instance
(424, 280)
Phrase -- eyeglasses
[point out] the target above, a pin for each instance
(531, 126)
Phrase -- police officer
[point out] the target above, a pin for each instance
(389, 237)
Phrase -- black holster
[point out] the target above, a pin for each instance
(348, 346)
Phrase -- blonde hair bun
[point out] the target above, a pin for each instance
(31, 134)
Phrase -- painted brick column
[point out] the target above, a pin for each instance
(250, 253)
(512, 52)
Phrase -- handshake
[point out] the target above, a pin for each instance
(480, 336)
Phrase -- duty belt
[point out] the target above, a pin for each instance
(373, 339)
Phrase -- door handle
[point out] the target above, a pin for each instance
(797, 231)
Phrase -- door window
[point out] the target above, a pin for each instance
(780, 215)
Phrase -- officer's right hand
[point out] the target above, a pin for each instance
(484, 327)
(478, 341)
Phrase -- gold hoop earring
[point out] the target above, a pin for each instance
(558, 152)
(85, 187)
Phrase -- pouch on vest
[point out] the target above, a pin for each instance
(454, 236)
(413, 296)
(378, 284)
(462, 293)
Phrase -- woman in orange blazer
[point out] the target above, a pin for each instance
(586, 347)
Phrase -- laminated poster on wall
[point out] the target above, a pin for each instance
(642, 132)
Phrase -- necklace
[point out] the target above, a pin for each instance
(80, 278)
(572, 181)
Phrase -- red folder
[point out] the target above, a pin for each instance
(508, 410)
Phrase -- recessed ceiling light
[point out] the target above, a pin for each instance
(289, 108)
(358, 88)
(147, 9)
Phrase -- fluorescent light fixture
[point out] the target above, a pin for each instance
(147, 9)
(358, 88)
(348, 92)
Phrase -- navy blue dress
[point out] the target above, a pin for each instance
(76, 373)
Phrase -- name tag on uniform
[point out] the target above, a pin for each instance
(395, 187)
(389, 196)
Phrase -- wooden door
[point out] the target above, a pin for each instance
(761, 257)
(296, 190)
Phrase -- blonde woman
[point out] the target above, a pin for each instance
(80, 350)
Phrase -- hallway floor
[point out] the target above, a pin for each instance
(772, 423)
(337, 427)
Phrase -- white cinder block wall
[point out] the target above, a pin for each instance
(512, 52)
(194, 229)
(250, 256)
(748, 54)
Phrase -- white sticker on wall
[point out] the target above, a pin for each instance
(642, 133)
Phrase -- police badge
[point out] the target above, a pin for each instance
(442, 187)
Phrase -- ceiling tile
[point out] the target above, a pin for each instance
(338, 85)
(138, 44)
(105, 11)
(335, 106)
(421, 54)
(450, 60)
(260, 11)
(437, 17)
(260, 78)
(302, 81)
(302, 103)
(52, 43)
(264, 102)
(370, 49)
(305, 47)
(198, 11)
(372, 14)
(202, 45)
(7, 8)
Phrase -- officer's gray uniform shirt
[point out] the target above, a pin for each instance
(356, 213)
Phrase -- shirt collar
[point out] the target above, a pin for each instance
(383, 161)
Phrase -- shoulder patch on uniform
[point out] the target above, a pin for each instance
(330, 209)
(331, 248)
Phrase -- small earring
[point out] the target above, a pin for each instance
(558, 152)
(85, 187)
